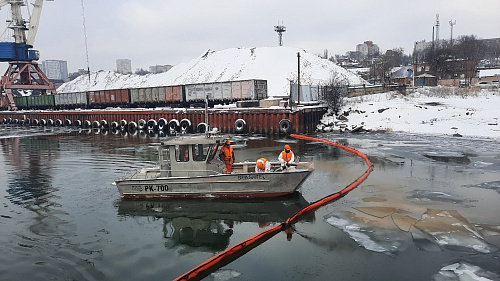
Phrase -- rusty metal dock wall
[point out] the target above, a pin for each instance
(258, 120)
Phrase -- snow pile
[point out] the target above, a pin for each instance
(277, 65)
(422, 112)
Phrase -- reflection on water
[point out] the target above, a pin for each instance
(29, 160)
(62, 220)
(209, 223)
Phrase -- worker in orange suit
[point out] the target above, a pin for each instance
(226, 154)
(286, 157)
(262, 166)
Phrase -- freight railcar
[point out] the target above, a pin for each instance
(108, 98)
(226, 92)
(157, 96)
(35, 102)
(178, 96)
(71, 100)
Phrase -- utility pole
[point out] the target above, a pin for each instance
(298, 78)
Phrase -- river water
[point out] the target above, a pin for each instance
(429, 211)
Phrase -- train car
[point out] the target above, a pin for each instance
(21, 102)
(108, 98)
(230, 91)
(71, 100)
(40, 102)
(175, 95)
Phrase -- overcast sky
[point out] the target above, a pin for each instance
(150, 32)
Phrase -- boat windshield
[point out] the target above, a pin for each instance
(200, 151)
(182, 153)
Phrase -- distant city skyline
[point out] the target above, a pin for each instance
(171, 32)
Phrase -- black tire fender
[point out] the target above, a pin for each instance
(285, 126)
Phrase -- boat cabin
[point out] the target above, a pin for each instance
(189, 156)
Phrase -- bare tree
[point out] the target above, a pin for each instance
(382, 66)
(335, 91)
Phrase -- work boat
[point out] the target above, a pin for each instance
(189, 167)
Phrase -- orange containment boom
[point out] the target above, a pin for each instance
(231, 254)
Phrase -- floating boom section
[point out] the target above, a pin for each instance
(231, 254)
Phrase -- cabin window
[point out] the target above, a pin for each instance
(182, 153)
(164, 156)
(200, 152)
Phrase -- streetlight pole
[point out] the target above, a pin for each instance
(298, 78)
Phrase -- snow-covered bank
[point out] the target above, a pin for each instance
(475, 114)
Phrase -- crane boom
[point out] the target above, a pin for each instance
(33, 24)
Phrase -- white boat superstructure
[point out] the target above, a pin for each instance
(188, 168)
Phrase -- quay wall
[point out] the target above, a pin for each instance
(258, 120)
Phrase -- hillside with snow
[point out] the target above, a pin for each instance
(277, 65)
(427, 111)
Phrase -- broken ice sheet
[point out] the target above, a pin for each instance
(464, 271)
(404, 222)
(376, 235)
(451, 231)
(378, 211)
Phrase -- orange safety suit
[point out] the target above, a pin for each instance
(287, 157)
(226, 154)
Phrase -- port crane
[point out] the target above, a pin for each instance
(23, 72)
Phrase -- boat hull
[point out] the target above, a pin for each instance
(248, 185)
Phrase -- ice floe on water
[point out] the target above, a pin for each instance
(454, 157)
(464, 271)
(427, 195)
(225, 274)
(494, 185)
(391, 230)
(451, 231)
(374, 235)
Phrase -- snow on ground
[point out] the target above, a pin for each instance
(277, 65)
(427, 111)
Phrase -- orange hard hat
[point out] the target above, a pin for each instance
(228, 142)
(287, 147)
